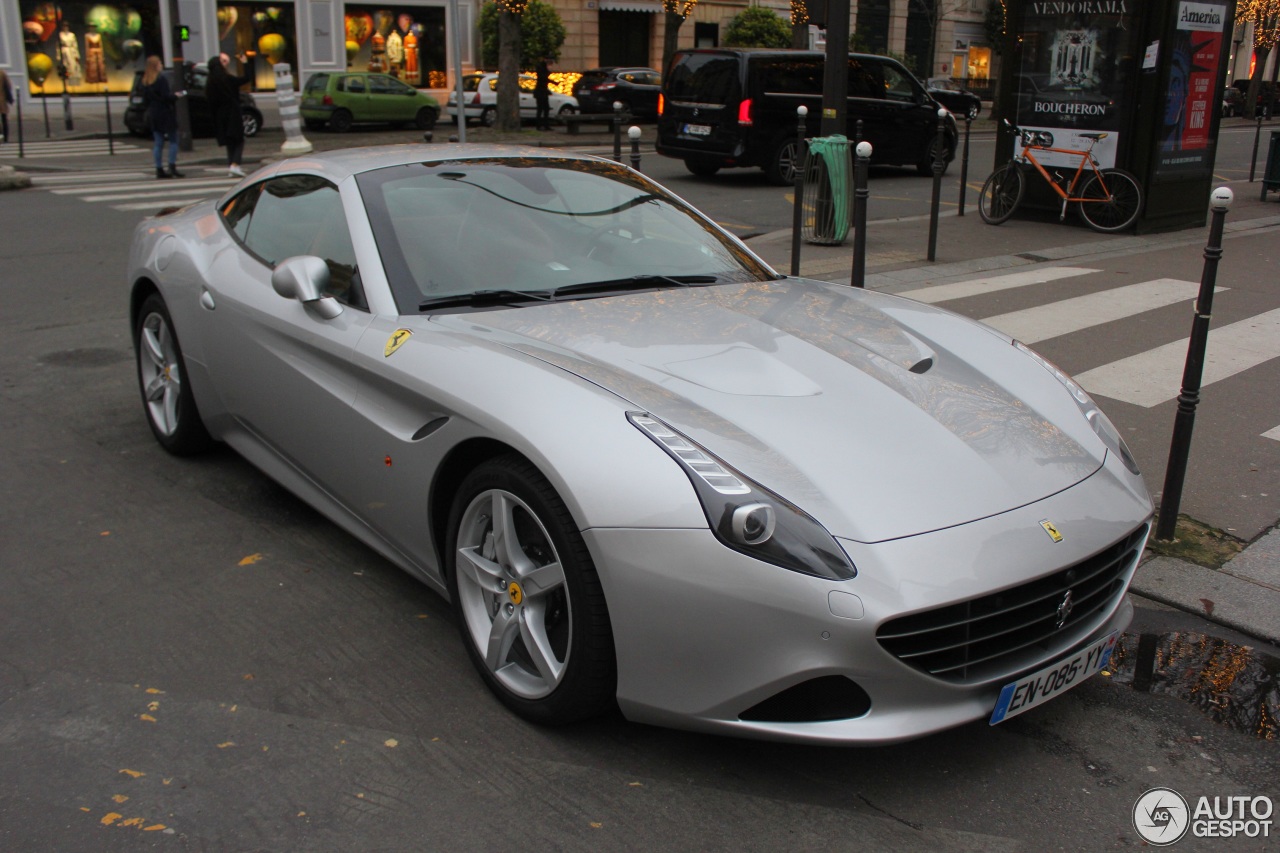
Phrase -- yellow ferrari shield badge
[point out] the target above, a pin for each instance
(515, 593)
(398, 337)
(1051, 530)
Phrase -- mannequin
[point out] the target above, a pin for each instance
(378, 58)
(411, 59)
(395, 53)
(95, 70)
(69, 54)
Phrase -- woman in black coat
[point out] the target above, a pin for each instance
(223, 91)
(159, 100)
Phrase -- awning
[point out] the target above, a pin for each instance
(630, 6)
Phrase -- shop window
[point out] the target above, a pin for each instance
(406, 42)
(87, 48)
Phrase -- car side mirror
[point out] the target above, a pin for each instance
(304, 278)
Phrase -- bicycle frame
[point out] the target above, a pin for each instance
(1086, 158)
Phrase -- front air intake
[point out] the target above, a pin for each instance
(818, 700)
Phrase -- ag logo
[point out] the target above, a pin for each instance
(1161, 817)
(398, 337)
(1051, 530)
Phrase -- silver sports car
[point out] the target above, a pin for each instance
(646, 469)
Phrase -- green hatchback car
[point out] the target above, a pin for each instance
(344, 99)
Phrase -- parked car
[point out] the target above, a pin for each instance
(340, 100)
(648, 472)
(954, 97)
(732, 107)
(480, 99)
(1232, 102)
(637, 89)
(135, 115)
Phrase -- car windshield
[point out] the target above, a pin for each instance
(534, 225)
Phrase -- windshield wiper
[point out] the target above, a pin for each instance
(634, 282)
(486, 297)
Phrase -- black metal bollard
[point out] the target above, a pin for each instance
(939, 164)
(633, 133)
(857, 132)
(111, 140)
(21, 141)
(964, 162)
(861, 166)
(44, 102)
(617, 131)
(1253, 164)
(1184, 420)
(797, 216)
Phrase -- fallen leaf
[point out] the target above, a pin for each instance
(120, 798)
(153, 827)
(391, 742)
(154, 690)
(105, 533)
(147, 718)
(595, 825)
(226, 744)
(248, 676)
(153, 706)
(133, 821)
(251, 559)
(1208, 606)
(133, 773)
(110, 818)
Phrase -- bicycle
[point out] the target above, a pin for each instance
(1109, 199)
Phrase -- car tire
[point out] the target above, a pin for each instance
(567, 110)
(974, 109)
(703, 168)
(489, 116)
(252, 123)
(341, 121)
(167, 398)
(925, 166)
(426, 118)
(529, 604)
(783, 162)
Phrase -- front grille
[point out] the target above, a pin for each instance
(1000, 633)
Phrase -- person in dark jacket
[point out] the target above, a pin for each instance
(160, 100)
(223, 91)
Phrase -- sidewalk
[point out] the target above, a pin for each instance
(1244, 594)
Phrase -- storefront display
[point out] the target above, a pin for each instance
(266, 32)
(406, 42)
(86, 47)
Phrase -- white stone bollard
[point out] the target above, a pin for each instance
(294, 142)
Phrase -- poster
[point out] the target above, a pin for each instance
(1071, 76)
(1191, 95)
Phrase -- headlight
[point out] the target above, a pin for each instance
(1101, 423)
(747, 517)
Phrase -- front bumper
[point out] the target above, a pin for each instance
(704, 634)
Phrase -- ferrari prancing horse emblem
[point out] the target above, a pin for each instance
(1051, 530)
(398, 337)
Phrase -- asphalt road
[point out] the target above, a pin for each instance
(192, 659)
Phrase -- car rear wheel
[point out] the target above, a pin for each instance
(252, 123)
(925, 166)
(529, 602)
(700, 167)
(426, 118)
(162, 378)
(782, 166)
(340, 121)
(489, 116)
(567, 110)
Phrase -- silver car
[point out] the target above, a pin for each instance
(647, 470)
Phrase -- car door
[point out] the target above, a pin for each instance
(528, 106)
(388, 99)
(356, 96)
(283, 370)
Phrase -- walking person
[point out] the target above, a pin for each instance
(6, 98)
(542, 94)
(160, 100)
(223, 91)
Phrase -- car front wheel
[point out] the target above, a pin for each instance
(782, 166)
(252, 123)
(529, 602)
(162, 378)
(489, 116)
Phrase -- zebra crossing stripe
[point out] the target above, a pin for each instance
(159, 203)
(195, 193)
(1272, 434)
(61, 180)
(1094, 309)
(1155, 376)
(993, 284)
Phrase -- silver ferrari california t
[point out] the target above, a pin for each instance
(646, 470)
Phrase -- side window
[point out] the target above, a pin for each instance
(237, 212)
(897, 86)
(380, 84)
(303, 215)
(791, 76)
(528, 84)
(317, 83)
(355, 84)
(863, 82)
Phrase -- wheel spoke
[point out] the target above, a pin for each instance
(502, 633)
(152, 346)
(155, 388)
(484, 573)
(543, 579)
(506, 543)
(533, 630)
(171, 397)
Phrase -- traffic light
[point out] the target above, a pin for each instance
(181, 33)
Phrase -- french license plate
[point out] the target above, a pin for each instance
(1039, 687)
(697, 129)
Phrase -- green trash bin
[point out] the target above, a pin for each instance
(1271, 174)
(828, 191)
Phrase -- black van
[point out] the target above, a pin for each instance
(724, 107)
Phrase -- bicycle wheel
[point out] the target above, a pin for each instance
(1110, 202)
(1001, 194)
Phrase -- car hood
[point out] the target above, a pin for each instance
(880, 416)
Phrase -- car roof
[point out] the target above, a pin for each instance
(339, 164)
